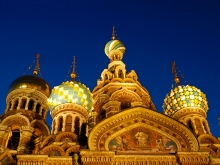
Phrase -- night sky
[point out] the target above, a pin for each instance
(155, 33)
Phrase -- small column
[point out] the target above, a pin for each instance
(37, 143)
(5, 134)
(112, 107)
(25, 137)
(64, 123)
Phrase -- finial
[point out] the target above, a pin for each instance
(73, 74)
(176, 78)
(113, 33)
(36, 70)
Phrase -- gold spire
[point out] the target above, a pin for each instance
(113, 33)
(36, 70)
(176, 78)
(73, 74)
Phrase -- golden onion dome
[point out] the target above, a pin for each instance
(114, 45)
(183, 97)
(71, 92)
(30, 82)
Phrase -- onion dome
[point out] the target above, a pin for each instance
(30, 82)
(71, 92)
(183, 97)
(114, 45)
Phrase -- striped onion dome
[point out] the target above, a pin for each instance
(183, 97)
(114, 45)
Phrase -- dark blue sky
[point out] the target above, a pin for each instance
(155, 33)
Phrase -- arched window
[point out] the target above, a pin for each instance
(14, 140)
(23, 103)
(68, 123)
(60, 124)
(31, 105)
(15, 104)
(189, 124)
(38, 108)
(77, 125)
(102, 115)
(125, 105)
(120, 74)
(9, 106)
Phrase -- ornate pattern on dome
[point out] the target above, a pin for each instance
(71, 92)
(113, 45)
(182, 97)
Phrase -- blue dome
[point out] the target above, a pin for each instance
(71, 92)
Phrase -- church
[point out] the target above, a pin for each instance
(114, 124)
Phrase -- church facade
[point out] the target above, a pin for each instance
(115, 124)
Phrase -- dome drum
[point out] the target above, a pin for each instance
(69, 107)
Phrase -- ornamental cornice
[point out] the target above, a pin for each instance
(187, 111)
(156, 120)
(32, 157)
(96, 153)
(145, 157)
(26, 92)
(118, 85)
(69, 107)
(64, 159)
(215, 161)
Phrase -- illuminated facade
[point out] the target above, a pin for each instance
(115, 124)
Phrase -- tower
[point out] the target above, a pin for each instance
(118, 89)
(70, 104)
(24, 122)
(189, 105)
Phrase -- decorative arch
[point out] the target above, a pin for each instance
(207, 139)
(108, 129)
(120, 70)
(41, 125)
(50, 139)
(125, 93)
(16, 119)
(66, 137)
(72, 149)
(53, 150)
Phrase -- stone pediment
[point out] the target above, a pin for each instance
(141, 129)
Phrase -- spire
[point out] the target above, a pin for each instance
(176, 78)
(36, 70)
(73, 74)
(113, 33)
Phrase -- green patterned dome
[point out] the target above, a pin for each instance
(114, 45)
(71, 92)
(182, 97)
